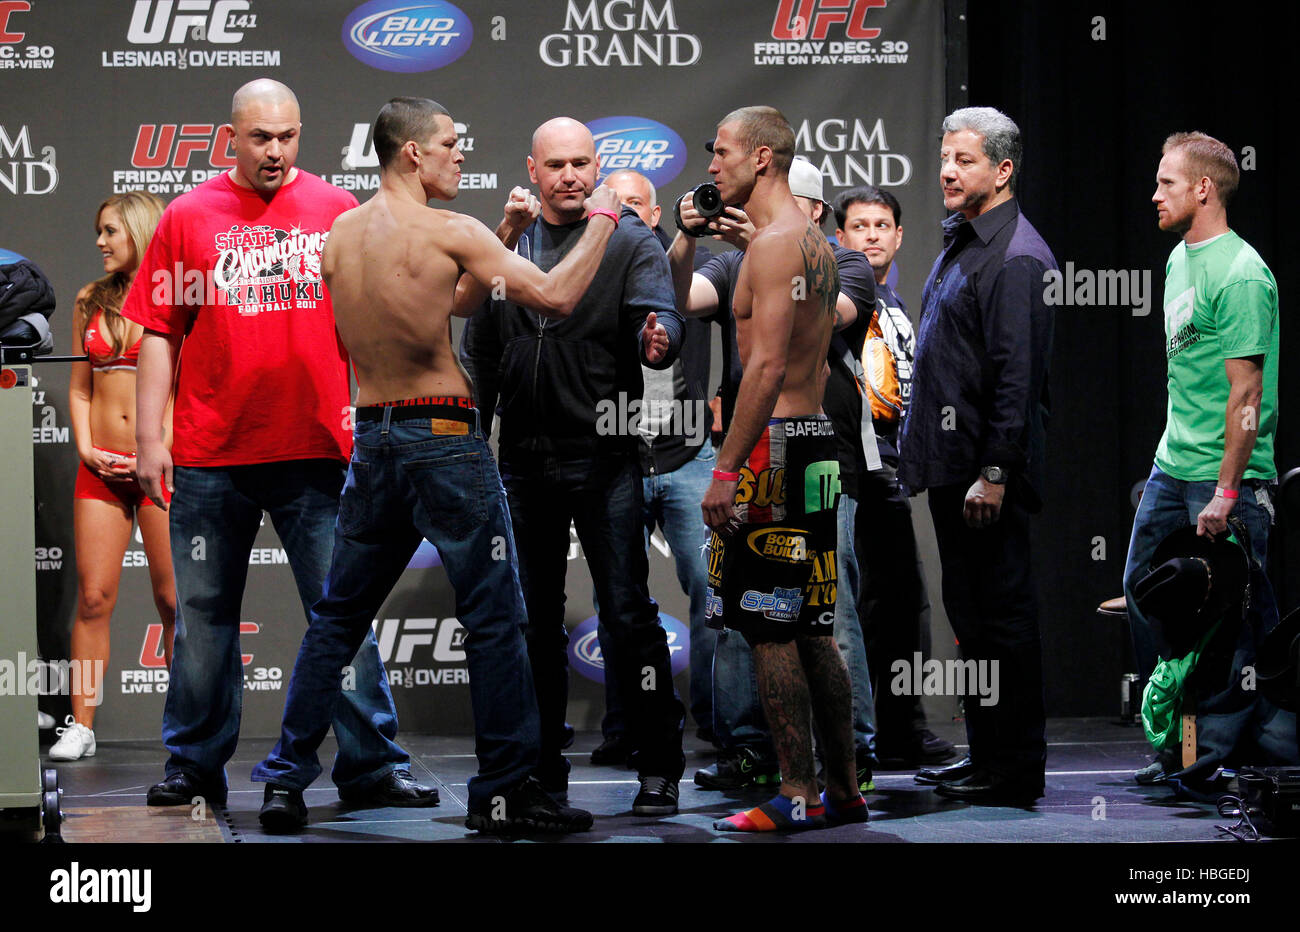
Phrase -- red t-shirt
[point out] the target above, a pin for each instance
(263, 376)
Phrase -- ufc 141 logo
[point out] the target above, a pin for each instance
(173, 21)
(190, 34)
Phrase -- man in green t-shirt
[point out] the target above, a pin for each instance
(1216, 456)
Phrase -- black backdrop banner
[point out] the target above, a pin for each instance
(100, 97)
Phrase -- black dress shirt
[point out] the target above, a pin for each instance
(979, 383)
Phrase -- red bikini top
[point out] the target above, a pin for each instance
(100, 350)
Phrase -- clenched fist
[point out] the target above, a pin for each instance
(604, 198)
(522, 208)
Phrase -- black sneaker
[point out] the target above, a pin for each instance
(864, 764)
(612, 752)
(180, 789)
(554, 782)
(923, 748)
(866, 783)
(527, 809)
(1158, 771)
(658, 796)
(933, 749)
(283, 810)
(396, 788)
(706, 734)
(738, 769)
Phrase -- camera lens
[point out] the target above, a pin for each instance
(707, 200)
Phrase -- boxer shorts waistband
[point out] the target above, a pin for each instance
(450, 408)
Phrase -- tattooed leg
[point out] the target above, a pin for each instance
(832, 706)
(784, 690)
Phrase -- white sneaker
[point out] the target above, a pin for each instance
(75, 742)
(44, 720)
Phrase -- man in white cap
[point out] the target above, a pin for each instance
(857, 453)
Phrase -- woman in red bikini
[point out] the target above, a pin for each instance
(101, 398)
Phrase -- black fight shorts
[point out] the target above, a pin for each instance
(774, 578)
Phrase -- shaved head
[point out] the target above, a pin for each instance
(637, 181)
(265, 124)
(263, 92)
(562, 130)
(635, 190)
(563, 165)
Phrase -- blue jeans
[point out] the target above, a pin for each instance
(738, 720)
(737, 713)
(848, 630)
(893, 604)
(672, 500)
(602, 498)
(214, 518)
(404, 485)
(1229, 717)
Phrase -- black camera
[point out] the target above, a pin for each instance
(708, 204)
(708, 200)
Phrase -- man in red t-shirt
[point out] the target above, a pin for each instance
(261, 424)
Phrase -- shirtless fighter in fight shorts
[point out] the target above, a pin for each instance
(776, 486)
(421, 466)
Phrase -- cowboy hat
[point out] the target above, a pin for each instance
(1192, 583)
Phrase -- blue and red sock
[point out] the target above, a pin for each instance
(778, 814)
(854, 810)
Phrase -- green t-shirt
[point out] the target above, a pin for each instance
(1220, 303)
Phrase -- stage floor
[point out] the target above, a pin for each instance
(1091, 797)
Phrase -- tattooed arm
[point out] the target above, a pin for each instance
(820, 272)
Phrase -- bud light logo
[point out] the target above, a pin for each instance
(584, 647)
(646, 146)
(407, 38)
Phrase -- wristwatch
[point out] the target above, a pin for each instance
(995, 474)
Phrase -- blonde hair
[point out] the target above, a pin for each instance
(140, 213)
(1206, 157)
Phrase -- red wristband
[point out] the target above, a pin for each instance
(602, 212)
(1225, 493)
(726, 476)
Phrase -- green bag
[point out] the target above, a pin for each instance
(1162, 699)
